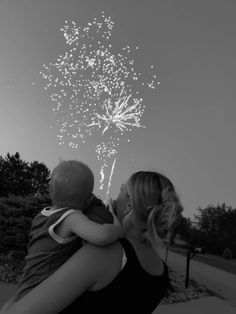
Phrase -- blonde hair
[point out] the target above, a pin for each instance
(154, 201)
(71, 184)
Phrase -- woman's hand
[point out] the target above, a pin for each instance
(112, 209)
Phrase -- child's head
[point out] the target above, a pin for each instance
(71, 184)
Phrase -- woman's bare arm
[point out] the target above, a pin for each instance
(79, 274)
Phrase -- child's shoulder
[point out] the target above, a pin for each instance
(71, 216)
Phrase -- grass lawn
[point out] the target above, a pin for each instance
(212, 260)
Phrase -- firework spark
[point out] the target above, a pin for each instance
(120, 114)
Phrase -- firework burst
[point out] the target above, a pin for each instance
(95, 90)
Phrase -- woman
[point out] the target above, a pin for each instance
(127, 276)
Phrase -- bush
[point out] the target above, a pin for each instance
(9, 241)
(16, 214)
(17, 255)
(233, 247)
(227, 254)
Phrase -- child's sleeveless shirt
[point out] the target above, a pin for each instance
(47, 251)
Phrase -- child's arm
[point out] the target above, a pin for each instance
(91, 231)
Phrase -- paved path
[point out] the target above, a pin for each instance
(220, 281)
(208, 305)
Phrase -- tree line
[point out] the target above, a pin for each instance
(213, 229)
(23, 193)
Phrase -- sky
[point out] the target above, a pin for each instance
(189, 118)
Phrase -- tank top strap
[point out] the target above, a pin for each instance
(129, 250)
(131, 255)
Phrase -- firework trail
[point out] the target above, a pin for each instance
(95, 91)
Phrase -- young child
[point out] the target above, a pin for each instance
(57, 232)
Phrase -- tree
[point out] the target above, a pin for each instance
(39, 174)
(21, 178)
(209, 218)
(217, 224)
(16, 175)
(3, 179)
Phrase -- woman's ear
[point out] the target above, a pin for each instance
(128, 208)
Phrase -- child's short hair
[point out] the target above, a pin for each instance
(71, 184)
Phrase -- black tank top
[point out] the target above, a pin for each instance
(132, 291)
